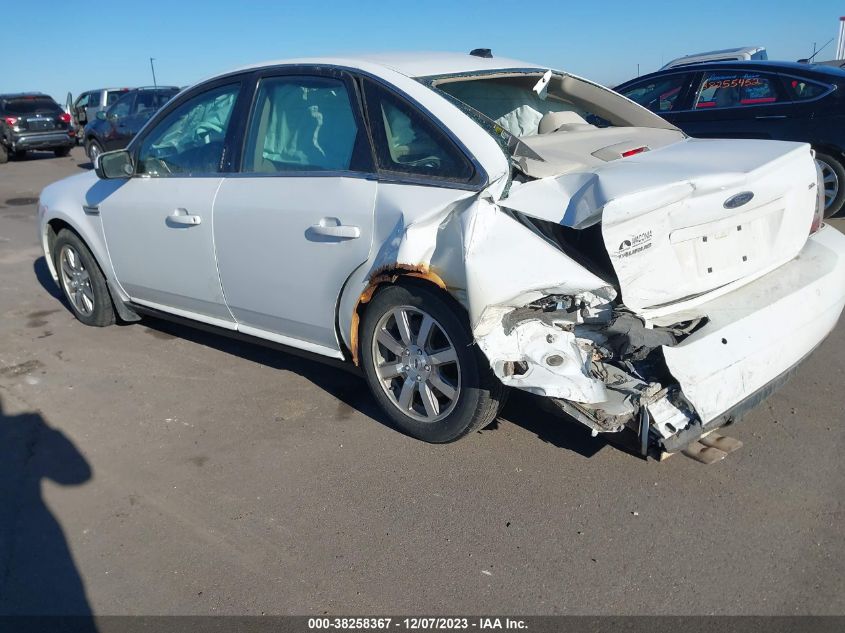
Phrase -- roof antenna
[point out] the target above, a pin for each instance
(481, 52)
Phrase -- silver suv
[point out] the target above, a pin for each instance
(86, 106)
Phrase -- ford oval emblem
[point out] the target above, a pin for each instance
(738, 200)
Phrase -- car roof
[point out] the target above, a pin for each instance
(692, 59)
(830, 72)
(18, 95)
(412, 64)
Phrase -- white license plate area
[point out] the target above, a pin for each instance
(729, 248)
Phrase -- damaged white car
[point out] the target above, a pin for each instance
(457, 225)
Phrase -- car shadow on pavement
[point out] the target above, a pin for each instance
(36, 155)
(527, 410)
(37, 573)
(348, 387)
(42, 274)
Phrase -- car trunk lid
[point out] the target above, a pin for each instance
(688, 220)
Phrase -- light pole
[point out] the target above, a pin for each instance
(153, 68)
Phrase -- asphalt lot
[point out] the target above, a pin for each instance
(152, 469)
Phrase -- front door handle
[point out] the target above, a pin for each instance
(181, 217)
(331, 227)
(771, 116)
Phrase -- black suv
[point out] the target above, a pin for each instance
(32, 120)
(784, 101)
(116, 126)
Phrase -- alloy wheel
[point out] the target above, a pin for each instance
(417, 364)
(76, 280)
(830, 180)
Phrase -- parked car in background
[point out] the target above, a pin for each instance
(454, 226)
(745, 53)
(89, 103)
(30, 121)
(115, 126)
(766, 100)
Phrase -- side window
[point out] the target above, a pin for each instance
(122, 107)
(730, 89)
(190, 139)
(113, 96)
(304, 124)
(94, 99)
(406, 141)
(804, 89)
(658, 94)
(82, 101)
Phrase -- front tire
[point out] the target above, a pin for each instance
(423, 367)
(833, 178)
(81, 280)
(4, 154)
(93, 150)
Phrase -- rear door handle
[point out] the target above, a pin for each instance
(183, 218)
(331, 227)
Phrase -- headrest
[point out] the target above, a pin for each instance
(554, 120)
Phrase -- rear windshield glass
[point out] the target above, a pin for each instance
(515, 103)
(30, 105)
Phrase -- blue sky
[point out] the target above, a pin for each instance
(109, 44)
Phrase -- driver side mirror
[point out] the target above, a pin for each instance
(101, 115)
(117, 164)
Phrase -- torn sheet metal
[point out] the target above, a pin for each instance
(552, 326)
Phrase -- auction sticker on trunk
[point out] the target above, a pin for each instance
(634, 244)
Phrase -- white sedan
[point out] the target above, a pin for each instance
(458, 225)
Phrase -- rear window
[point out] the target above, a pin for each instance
(29, 105)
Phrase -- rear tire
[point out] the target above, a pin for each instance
(833, 174)
(452, 389)
(4, 154)
(81, 280)
(61, 152)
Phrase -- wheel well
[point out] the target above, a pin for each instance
(831, 151)
(53, 228)
(398, 274)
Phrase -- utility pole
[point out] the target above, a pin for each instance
(153, 68)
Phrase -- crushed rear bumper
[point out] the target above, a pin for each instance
(758, 333)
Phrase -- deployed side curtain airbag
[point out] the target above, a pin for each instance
(304, 126)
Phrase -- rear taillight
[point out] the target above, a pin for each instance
(10, 120)
(64, 117)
